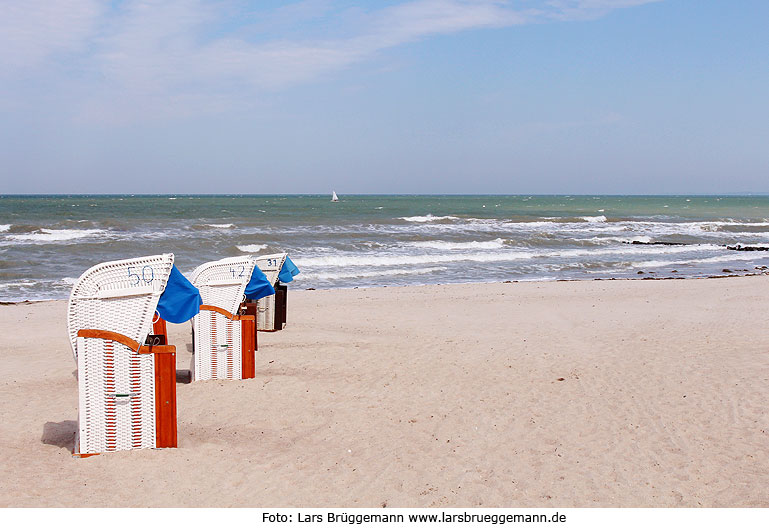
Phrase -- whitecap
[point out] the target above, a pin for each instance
(251, 248)
(225, 225)
(22, 283)
(355, 273)
(5, 228)
(46, 235)
(724, 258)
(427, 218)
(595, 218)
(458, 245)
(358, 260)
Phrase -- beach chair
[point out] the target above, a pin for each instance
(223, 340)
(127, 391)
(271, 310)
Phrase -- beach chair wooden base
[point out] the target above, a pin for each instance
(271, 310)
(111, 426)
(250, 308)
(224, 345)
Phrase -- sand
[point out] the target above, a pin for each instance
(604, 393)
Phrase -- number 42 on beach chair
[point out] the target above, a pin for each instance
(127, 390)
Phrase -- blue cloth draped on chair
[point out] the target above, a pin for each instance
(258, 286)
(288, 271)
(180, 301)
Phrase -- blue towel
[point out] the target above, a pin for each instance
(258, 286)
(288, 271)
(180, 301)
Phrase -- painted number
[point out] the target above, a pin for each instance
(236, 274)
(272, 262)
(147, 275)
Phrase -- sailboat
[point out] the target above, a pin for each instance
(334, 198)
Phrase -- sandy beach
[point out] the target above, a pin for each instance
(591, 394)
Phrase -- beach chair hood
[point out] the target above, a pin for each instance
(277, 267)
(222, 283)
(118, 296)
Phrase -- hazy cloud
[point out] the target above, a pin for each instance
(148, 57)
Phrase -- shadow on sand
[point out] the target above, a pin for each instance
(61, 434)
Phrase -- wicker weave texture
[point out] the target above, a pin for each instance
(271, 265)
(116, 385)
(116, 397)
(118, 296)
(218, 340)
(265, 307)
(222, 283)
(218, 347)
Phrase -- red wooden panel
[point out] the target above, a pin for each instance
(159, 328)
(249, 308)
(165, 399)
(248, 332)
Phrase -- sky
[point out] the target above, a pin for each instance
(416, 96)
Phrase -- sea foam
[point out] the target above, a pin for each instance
(46, 235)
(251, 248)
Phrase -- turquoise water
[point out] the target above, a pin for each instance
(368, 240)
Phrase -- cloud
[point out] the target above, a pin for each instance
(34, 30)
(571, 10)
(177, 57)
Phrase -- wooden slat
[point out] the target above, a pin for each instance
(248, 361)
(122, 339)
(216, 309)
(165, 399)
(224, 312)
(250, 309)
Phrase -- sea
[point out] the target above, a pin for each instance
(47, 241)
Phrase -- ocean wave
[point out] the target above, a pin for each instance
(251, 248)
(724, 258)
(21, 283)
(224, 225)
(5, 228)
(429, 218)
(458, 245)
(363, 260)
(595, 219)
(46, 235)
(351, 274)
(520, 254)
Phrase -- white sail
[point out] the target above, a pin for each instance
(334, 198)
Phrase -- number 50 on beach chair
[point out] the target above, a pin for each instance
(127, 390)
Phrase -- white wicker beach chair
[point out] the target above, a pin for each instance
(223, 340)
(266, 307)
(127, 392)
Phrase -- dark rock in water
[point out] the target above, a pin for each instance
(668, 243)
(640, 272)
(725, 270)
(674, 270)
(748, 248)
